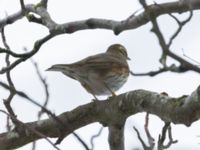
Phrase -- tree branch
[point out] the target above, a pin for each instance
(183, 110)
(94, 137)
(162, 137)
(131, 22)
(27, 129)
(165, 48)
(60, 124)
(12, 90)
(151, 141)
(116, 135)
(172, 68)
(35, 49)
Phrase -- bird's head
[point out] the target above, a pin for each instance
(118, 50)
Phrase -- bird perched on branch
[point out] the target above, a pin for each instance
(100, 74)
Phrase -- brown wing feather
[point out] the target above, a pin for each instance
(100, 61)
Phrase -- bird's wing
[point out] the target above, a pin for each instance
(100, 63)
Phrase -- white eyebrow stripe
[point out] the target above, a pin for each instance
(123, 51)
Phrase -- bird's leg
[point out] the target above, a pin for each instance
(95, 98)
(90, 90)
(112, 92)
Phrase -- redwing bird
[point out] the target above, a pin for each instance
(100, 74)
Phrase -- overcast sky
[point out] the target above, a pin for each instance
(66, 94)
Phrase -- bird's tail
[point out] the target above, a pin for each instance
(58, 67)
(65, 69)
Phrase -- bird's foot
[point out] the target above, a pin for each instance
(111, 97)
(95, 98)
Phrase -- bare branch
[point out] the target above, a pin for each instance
(8, 51)
(162, 136)
(36, 48)
(94, 137)
(25, 96)
(34, 145)
(195, 61)
(183, 110)
(30, 129)
(44, 109)
(171, 141)
(180, 26)
(45, 85)
(81, 141)
(166, 128)
(172, 68)
(145, 147)
(12, 90)
(149, 137)
(131, 22)
(116, 134)
(165, 49)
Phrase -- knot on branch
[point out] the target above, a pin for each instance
(90, 23)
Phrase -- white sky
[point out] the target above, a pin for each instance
(142, 47)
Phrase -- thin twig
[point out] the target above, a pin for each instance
(12, 90)
(94, 137)
(172, 68)
(151, 140)
(45, 85)
(192, 59)
(145, 147)
(180, 26)
(171, 141)
(162, 137)
(35, 49)
(81, 141)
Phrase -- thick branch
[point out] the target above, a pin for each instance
(131, 22)
(116, 136)
(182, 110)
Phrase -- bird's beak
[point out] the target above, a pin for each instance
(128, 58)
(57, 67)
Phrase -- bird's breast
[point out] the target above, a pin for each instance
(114, 80)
